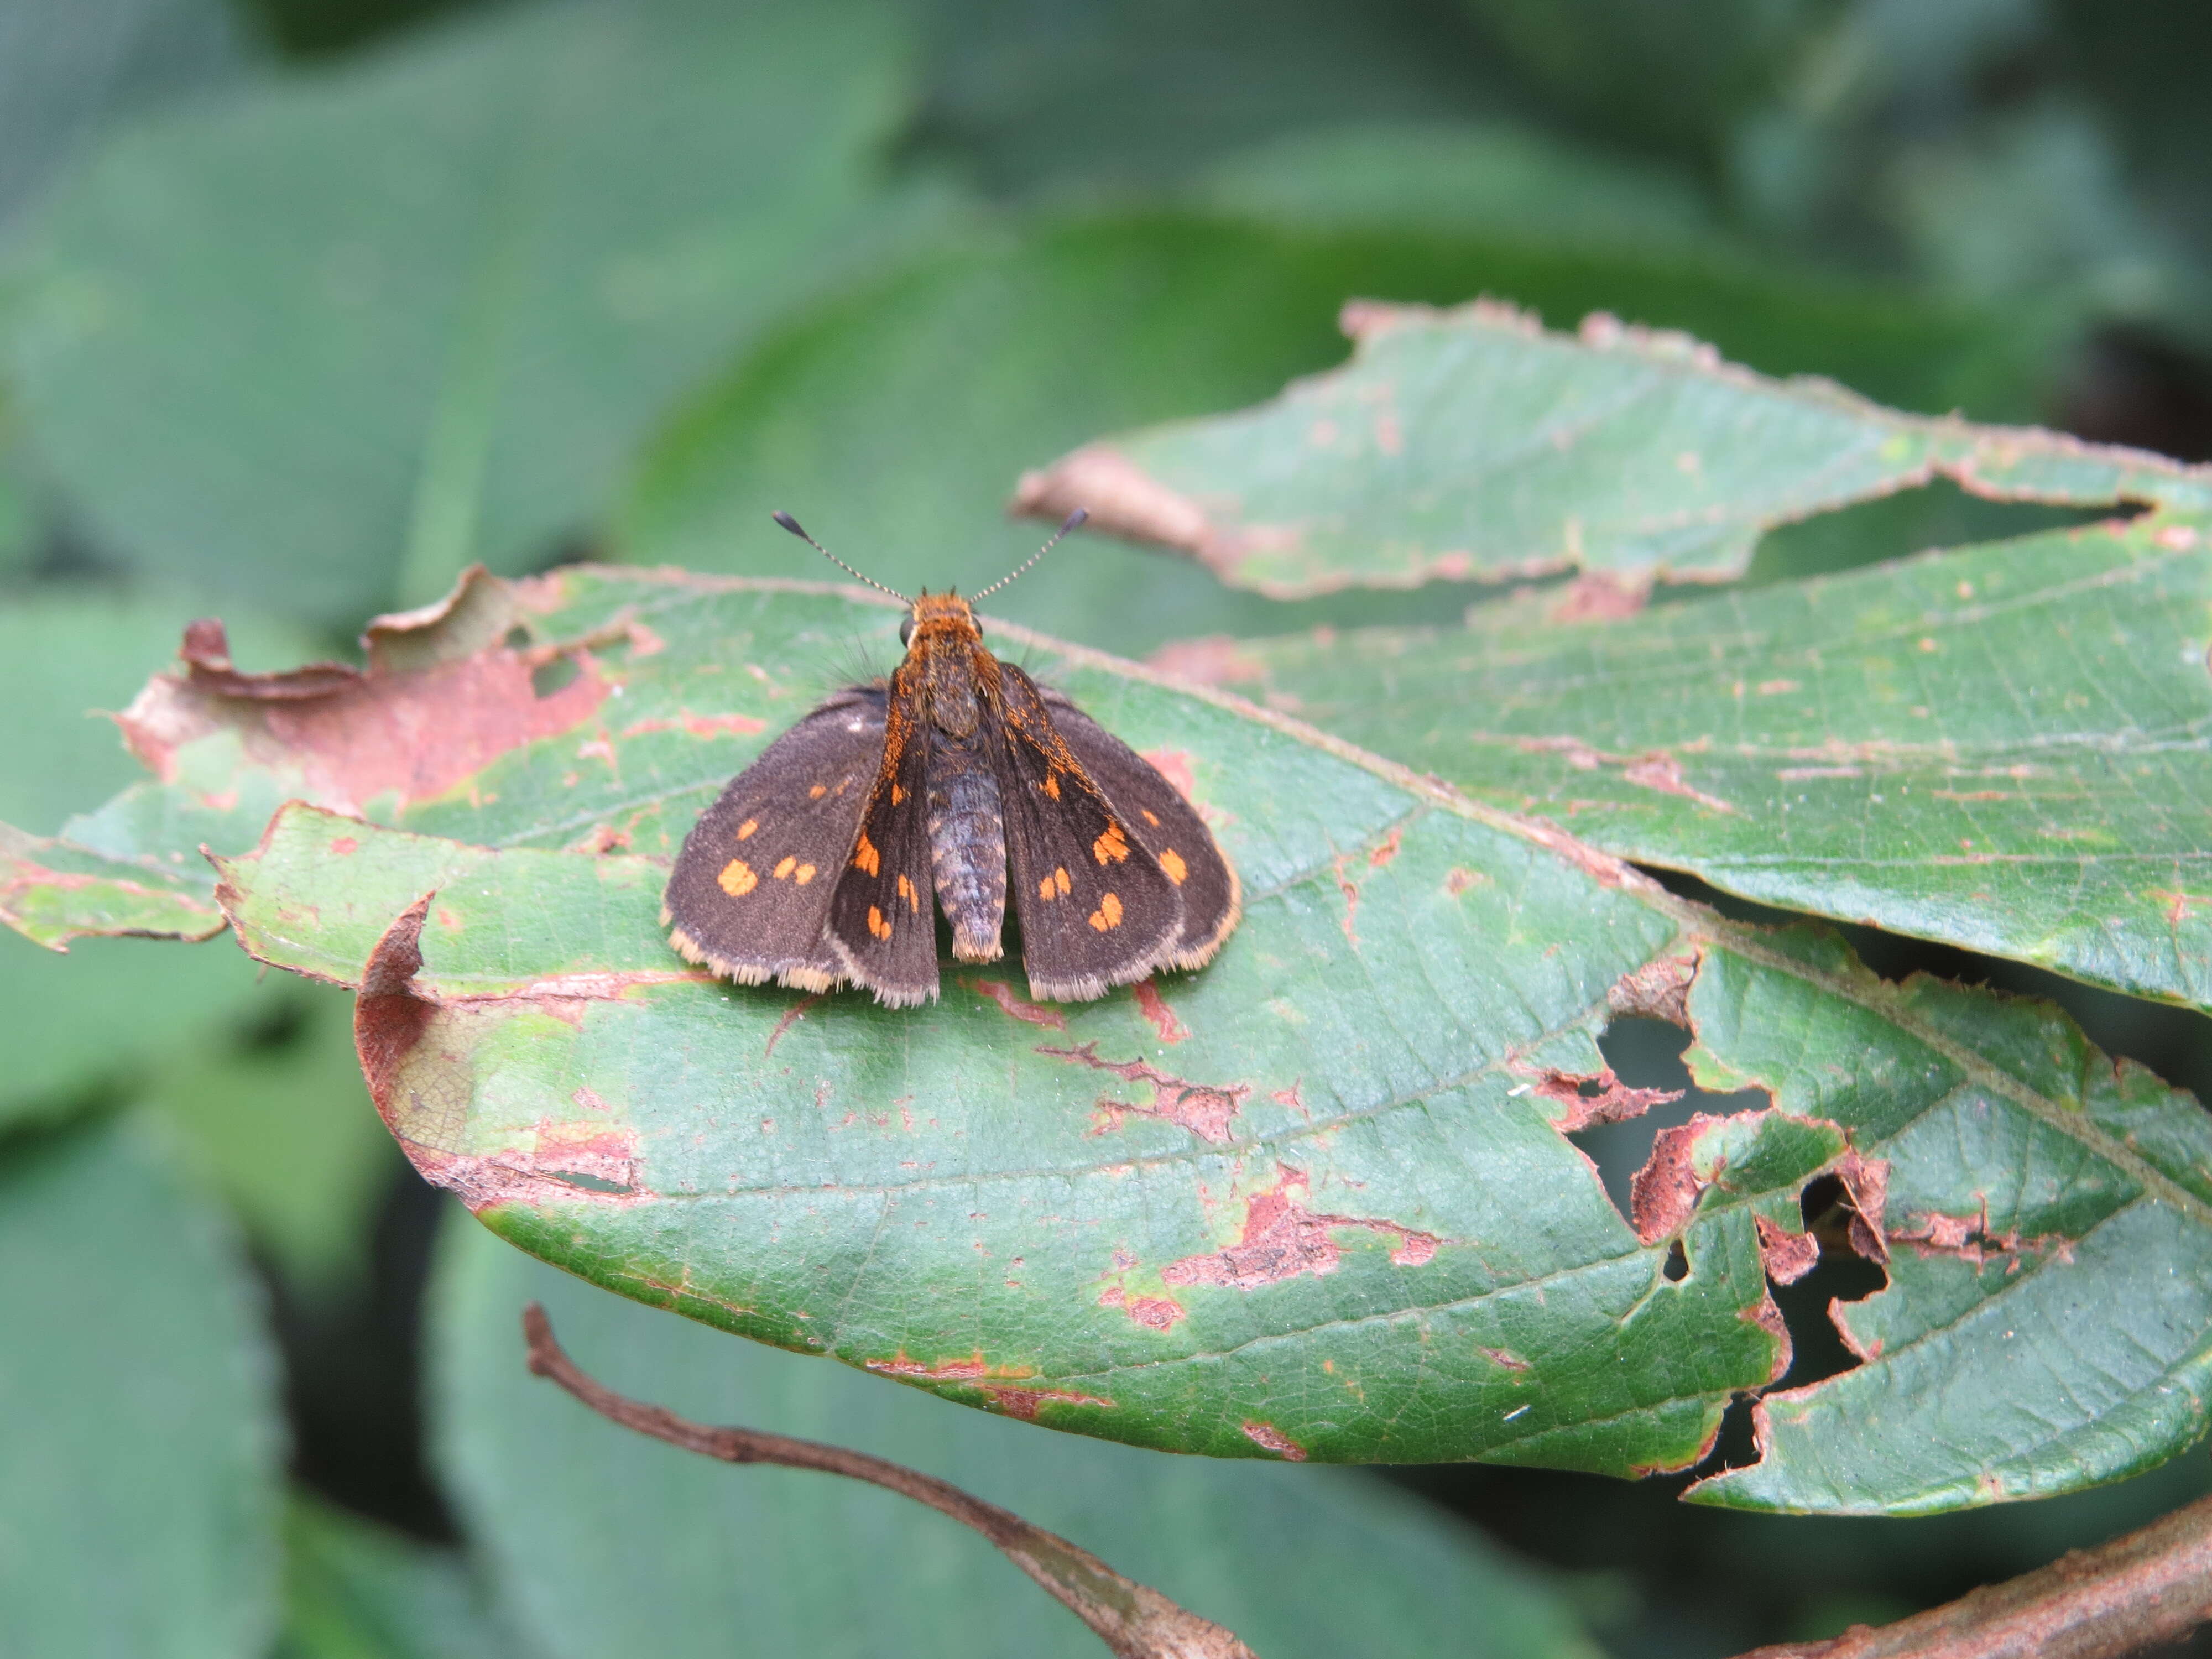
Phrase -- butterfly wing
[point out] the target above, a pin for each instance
(1096, 910)
(1167, 826)
(752, 887)
(883, 916)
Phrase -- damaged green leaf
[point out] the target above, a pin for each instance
(1314, 1202)
(2007, 747)
(1470, 444)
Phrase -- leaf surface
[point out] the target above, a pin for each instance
(2007, 747)
(1471, 445)
(604, 1545)
(1314, 1201)
(140, 1490)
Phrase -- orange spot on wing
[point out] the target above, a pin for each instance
(1051, 785)
(877, 925)
(738, 879)
(816, 791)
(783, 870)
(747, 828)
(1172, 865)
(1110, 845)
(1108, 916)
(1045, 888)
(897, 794)
(1060, 878)
(911, 894)
(804, 874)
(1149, 818)
(866, 857)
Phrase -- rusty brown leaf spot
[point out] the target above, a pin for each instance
(1274, 1440)
(1015, 1397)
(1662, 1194)
(585, 1163)
(1155, 1009)
(1282, 1239)
(1763, 1314)
(1660, 989)
(1601, 868)
(1787, 1256)
(412, 731)
(1601, 595)
(205, 654)
(1212, 659)
(1866, 1187)
(389, 1019)
(1206, 1109)
(1599, 1098)
(1016, 1007)
(1155, 1313)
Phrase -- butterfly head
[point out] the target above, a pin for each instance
(940, 619)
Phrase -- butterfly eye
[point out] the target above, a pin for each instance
(906, 631)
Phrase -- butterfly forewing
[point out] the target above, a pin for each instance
(752, 887)
(1167, 824)
(883, 916)
(1096, 908)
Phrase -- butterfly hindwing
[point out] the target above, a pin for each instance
(752, 887)
(1096, 908)
(883, 916)
(1167, 826)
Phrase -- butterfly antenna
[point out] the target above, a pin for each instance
(1066, 524)
(792, 525)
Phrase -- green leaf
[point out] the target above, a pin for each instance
(326, 343)
(1508, 182)
(1041, 101)
(67, 72)
(1315, 1200)
(2025, 1174)
(1469, 444)
(2003, 747)
(52, 892)
(355, 1590)
(140, 1489)
(605, 1545)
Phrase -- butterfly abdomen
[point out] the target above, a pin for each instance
(967, 847)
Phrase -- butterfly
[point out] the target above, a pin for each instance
(956, 785)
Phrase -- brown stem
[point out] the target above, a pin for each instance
(2152, 1586)
(1134, 1620)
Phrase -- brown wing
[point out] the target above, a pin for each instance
(1096, 910)
(751, 888)
(883, 916)
(1167, 826)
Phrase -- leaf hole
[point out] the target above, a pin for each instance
(549, 677)
(1935, 514)
(590, 1183)
(1677, 1265)
(1647, 1053)
(517, 639)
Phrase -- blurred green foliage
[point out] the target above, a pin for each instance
(304, 304)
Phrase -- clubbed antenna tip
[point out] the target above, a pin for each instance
(792, 525)
(1067, 524)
